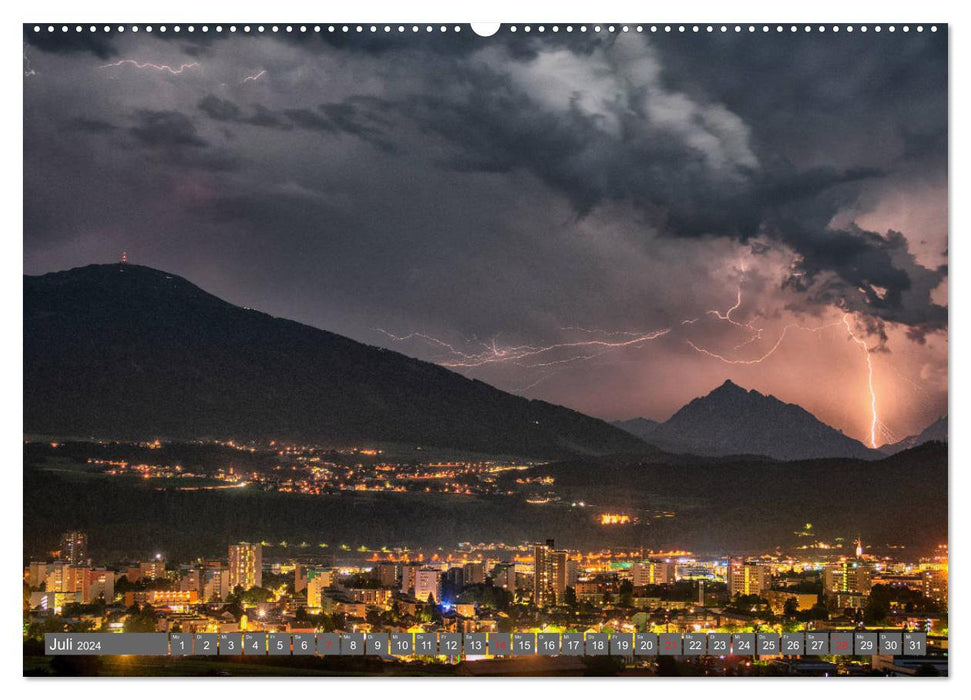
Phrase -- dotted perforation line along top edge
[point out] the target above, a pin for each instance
(257, 29)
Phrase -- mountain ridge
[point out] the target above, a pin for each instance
(640, 427)
(731, 420)
(935, 432)
(123, 350)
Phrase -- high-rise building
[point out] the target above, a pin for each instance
(572, 572)
(474, 573)
(847, 577)
(74, 548)
(746, 578)
(428, 583)
(560, 574)
(542, 573)
(408, 572)
(57, 578)
(299, 577)
(37, 573)
(245, 566)
(935, 584)
(215, 582)
(190, 580)
(153, 570)
(549, 574)
(455, 577)
(387, 574)
(99, 584)
(64, 578)
(504, 576)
(318, 580)
(647, 573)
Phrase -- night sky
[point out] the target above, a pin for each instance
(615, 223)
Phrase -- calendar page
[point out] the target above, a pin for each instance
(548, 349)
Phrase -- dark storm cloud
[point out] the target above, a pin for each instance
(198, 44)
(166, 129)
(511, 186)
(496, 127)
(357, 115)
(98, 43)
(451, 45)
(93, 126)
(436, 43)
(703, 151)
(806, 90)
(104, 45)
(262, 116)
(876, 275)
(173, 138)
(220, 110)
(310, 119)
(849, 99)
(625, 152)
(223, 110)
(361, 117)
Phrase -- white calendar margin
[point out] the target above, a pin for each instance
(507, 11)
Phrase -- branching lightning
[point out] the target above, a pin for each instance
(598, 342)
(727, 316)
(255, 77)
(768, 353)
(530, 356)
(597, 331)
(755, 335)
(152, 66)
(875, 423)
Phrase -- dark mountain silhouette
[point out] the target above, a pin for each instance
(734, 421)
(732, 503)
(641, 427)
(124, 351)
(724, 505)
(936, 432)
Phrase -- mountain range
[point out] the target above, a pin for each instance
(935, 432)
(129, 352)
(123, 351)
(733, 421)
(641, 427)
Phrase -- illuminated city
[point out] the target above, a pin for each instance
(501, 588)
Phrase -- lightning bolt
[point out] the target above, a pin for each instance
(768, 353)
(28, 69)
(727, 316)
(875, 423)
(529, 356)
(544, 356)
(254, 78)
(597, 331)
(427, 338)
(152, 66)
(874, 419)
